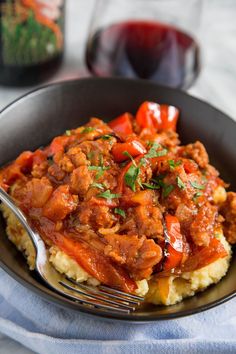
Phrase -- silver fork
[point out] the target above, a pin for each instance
(101, 297)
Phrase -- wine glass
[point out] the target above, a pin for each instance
(148, 39)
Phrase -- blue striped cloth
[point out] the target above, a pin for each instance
(47, 329)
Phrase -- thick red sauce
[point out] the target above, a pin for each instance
(123, 199)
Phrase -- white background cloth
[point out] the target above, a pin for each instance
(216, 83)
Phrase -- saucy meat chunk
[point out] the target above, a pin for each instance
(228, 210)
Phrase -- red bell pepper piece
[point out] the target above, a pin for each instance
(157, 117)
(173, 244)
(203, 256)
(122, 124)
(92, 260)
(133, 146)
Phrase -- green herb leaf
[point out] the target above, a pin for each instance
(154, 152)
(142, 162)
(159, 180)
(106, 137)
(100, 170)
(167, 189)
(119, 211)
(94, 168)
(126, 153)
(151, 186)
(196, 196)
(131, 176)
(197, 185)
(150, 143)
(108, 195)
(50, 160)
(68, 132)
(180, 183)
(90, 155)
(97, 185)
(101, 161)
(174, 164)
(88, 130)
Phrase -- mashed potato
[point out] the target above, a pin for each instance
(63, 263)
(170, 290)
(160, 291)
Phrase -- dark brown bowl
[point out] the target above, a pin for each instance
(37, 117)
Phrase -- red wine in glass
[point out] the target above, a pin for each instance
(146, 50)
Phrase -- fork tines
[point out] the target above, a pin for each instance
(102, 297)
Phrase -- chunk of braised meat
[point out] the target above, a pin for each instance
(35, 193)
(228, 210)
(60, 204)
(138, 255)
(95, 215)
(97, 151)
(179, 187)
(80, 180)
(77, 157)
(197, 152)
(99, 124)
(56, 173)
(185, 215)
(167, 138)
(202, 228)
(148, 221)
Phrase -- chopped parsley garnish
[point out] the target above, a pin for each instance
(88, 130)
(106, 137)
(108, 195)
(150, 143)
(159, 180)
(196, 196)
(174, 164)
(151, 186)
(154, 152)
(50, 160)
(90, 155)
(126, 153)
(98, 185)
(131, 176)
(101, 160)
(120, 212)
(197, 185)
(167, 189)
(142, 162)
(100, 170)
(180, 183)
(68, 132)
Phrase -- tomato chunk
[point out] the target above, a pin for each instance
(122, 124)
(60, 204)
(25, 160)
(174, 243)
(133, 147)
(157, 117)
(58, 144)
